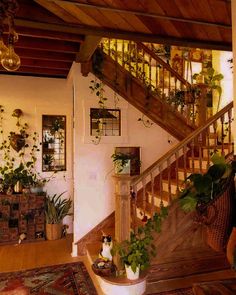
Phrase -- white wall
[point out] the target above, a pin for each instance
(94, 193)
(37, 96)
(221, 65)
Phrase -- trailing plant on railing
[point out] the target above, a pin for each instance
(137, 251)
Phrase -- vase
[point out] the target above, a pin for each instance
(231, 246)
(130, 274)
(53, 231)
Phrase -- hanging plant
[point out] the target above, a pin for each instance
(97, 87)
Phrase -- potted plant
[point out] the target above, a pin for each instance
(56, 209)
(135, 254)
(122, 162)
(211, 196)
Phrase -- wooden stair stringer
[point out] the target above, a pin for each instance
(132, 90)
(94, 236)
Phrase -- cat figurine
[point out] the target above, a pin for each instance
(105, 252)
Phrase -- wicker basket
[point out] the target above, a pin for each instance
(106, 270)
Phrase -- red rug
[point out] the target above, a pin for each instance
(65, 279)
(185, 291)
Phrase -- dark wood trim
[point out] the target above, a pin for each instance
(87, 48)
(141, 13)
(126, 35)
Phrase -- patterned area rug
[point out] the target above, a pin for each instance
(65, 279)
(185, 291)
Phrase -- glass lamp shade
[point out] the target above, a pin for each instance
(3, 48)
(10, 60)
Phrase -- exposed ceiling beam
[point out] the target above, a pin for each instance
(141, 13)
(52, 35)
(45, 55)
(45, 64)
(126, 35)
(32, 71)
(87, 48)
(43, 44)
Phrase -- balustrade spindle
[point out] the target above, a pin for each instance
(169, 179)
(192, 155)
(215, 137)
(144, 196)
(208, 145)
(200, 142)
(176, 155)
(185, 153)
(152, 196)
(229, 131)
(222, 121)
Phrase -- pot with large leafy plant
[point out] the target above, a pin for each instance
(135, 254)
(211, 196)
(56, 209)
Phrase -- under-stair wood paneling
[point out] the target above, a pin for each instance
(116, 77)
(107, 226)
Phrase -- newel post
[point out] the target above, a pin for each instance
(122, 207)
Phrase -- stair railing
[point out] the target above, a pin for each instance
(159, 183)
(157, 75)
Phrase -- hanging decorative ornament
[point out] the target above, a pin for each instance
(10, 60)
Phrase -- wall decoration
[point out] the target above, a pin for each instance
(54, 143)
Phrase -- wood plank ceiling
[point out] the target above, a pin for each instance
(54, 33)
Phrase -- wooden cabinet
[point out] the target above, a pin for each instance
(22, 213)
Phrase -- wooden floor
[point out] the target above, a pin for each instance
(39, 254)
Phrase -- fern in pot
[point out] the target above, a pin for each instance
(56, 209)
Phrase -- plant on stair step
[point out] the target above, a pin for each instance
(200, 189)
(138, 251)
(212, 80)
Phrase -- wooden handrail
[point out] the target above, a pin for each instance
(181, 144)
(164, 64)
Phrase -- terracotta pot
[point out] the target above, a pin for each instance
(17, 141)
(231, 246)
(53, 231)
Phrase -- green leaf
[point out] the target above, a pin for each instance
(188, 203)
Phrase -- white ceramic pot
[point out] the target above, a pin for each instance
(130, 274)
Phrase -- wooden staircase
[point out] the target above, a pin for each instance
(183, 257)
(148, 83)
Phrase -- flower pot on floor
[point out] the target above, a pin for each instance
(53, 231)
(130, 274)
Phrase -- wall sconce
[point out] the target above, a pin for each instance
(9, 59)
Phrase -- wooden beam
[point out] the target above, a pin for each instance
(87, 48)
(45, 64)
(45, 55)
(52, 35)
(126, 35)
(141, 13)
(31, 71)
(42, 44)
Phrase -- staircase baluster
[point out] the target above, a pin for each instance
(144, 196)
(123, 53)
(230, 147)
(116, 52)
(169, 179)
(222, 121)
(185, 163)
(208, 146)
(177, 170)
(150, 70)
(163, 82)
(215, 135)
(136, 60)
(109, 47)
(156, 68)
(161, 183)
(200, 142)
(152, 194)
(192, 155)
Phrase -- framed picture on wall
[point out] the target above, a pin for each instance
(53, 143)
